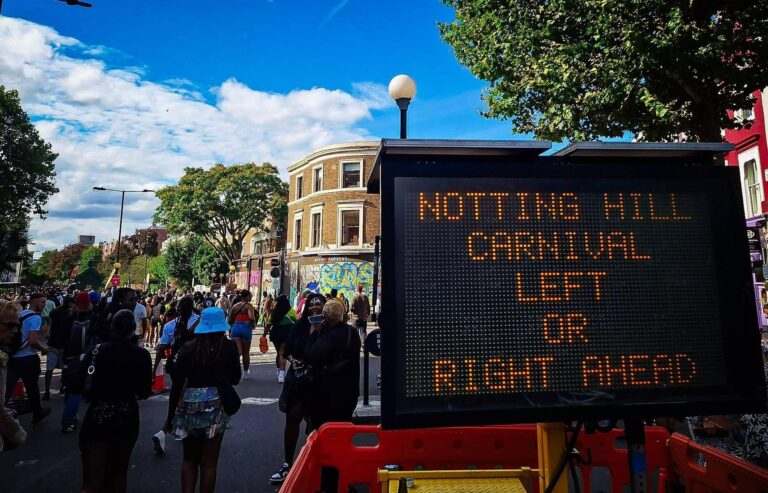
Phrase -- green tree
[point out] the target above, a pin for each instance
(92, 252)
(179, 257)
(36, 272)
(582, 69)
(222, 204)
(207, 261)
(64, 260)
(26, 176)
(158, 270)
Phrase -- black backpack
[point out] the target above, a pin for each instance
(81, 336)
(16, 343)
(181, 335)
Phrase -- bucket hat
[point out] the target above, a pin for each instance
(212, 320)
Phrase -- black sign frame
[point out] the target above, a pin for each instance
(747, 393)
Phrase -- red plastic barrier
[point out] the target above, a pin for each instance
(483, 447)
(722, 472)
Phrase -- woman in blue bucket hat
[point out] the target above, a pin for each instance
(203, 398)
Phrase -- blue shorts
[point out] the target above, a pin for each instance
(242, 330)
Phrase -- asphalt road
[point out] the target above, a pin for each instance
(251, 452)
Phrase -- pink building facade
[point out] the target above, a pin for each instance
(751, 154)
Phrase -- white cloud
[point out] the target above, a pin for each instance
(113, 127)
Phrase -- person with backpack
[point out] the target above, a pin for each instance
(80, 342)
(176, 333)
(25, 362)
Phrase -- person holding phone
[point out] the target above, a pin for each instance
(292, 398)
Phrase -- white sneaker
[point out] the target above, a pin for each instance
(159, 440)
(281, 376)
(247, 374)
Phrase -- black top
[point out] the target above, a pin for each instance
(297, 339)
(59, 326)
(188, 372)
(123, 372)
(335, 354)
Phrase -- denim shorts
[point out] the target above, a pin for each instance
(55, 358)
(242, 330)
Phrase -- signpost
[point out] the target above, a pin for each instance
(531, 289)
(116, 280)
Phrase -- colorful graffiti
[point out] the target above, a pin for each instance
(241, 279)
(342, 276)
(293, 273)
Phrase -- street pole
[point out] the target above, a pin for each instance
(146, 260)
(120, 229)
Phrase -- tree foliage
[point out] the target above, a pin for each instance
(26, 161)
(26, 176)
(37, 273)
(92, 252)
(222, 204)
(158, 270)
(63, 261)
(179, 256)
(582, 69)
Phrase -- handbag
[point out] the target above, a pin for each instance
(263, 344)
(88, 383)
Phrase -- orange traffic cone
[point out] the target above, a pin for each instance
(159, 385)
(18, 390)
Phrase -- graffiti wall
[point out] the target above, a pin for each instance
(343, 276)
(241, 279)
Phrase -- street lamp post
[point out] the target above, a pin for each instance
(402, 89)
(122, 205)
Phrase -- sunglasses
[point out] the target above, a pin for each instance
(315, 303)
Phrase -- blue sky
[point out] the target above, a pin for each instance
(129, 93)
(279, 46)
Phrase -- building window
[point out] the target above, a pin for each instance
(350, 227)
(752, 190)
(297, 235)
(299, 187)
(317, 179)
(350, 175)
(317, 224)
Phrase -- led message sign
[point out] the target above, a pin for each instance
(564, 297)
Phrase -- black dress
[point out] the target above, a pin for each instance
(123, 374)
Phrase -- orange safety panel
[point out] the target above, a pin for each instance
(481, 447)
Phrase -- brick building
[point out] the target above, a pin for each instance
(332, 220)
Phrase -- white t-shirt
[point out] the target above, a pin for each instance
(139, 312)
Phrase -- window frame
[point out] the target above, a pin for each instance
(359, 162)
(299, 194)
(297, 218)
(340, 209)
(316, 212)
(755, 208)
(315, 169)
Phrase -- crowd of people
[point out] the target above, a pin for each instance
(103, 343)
